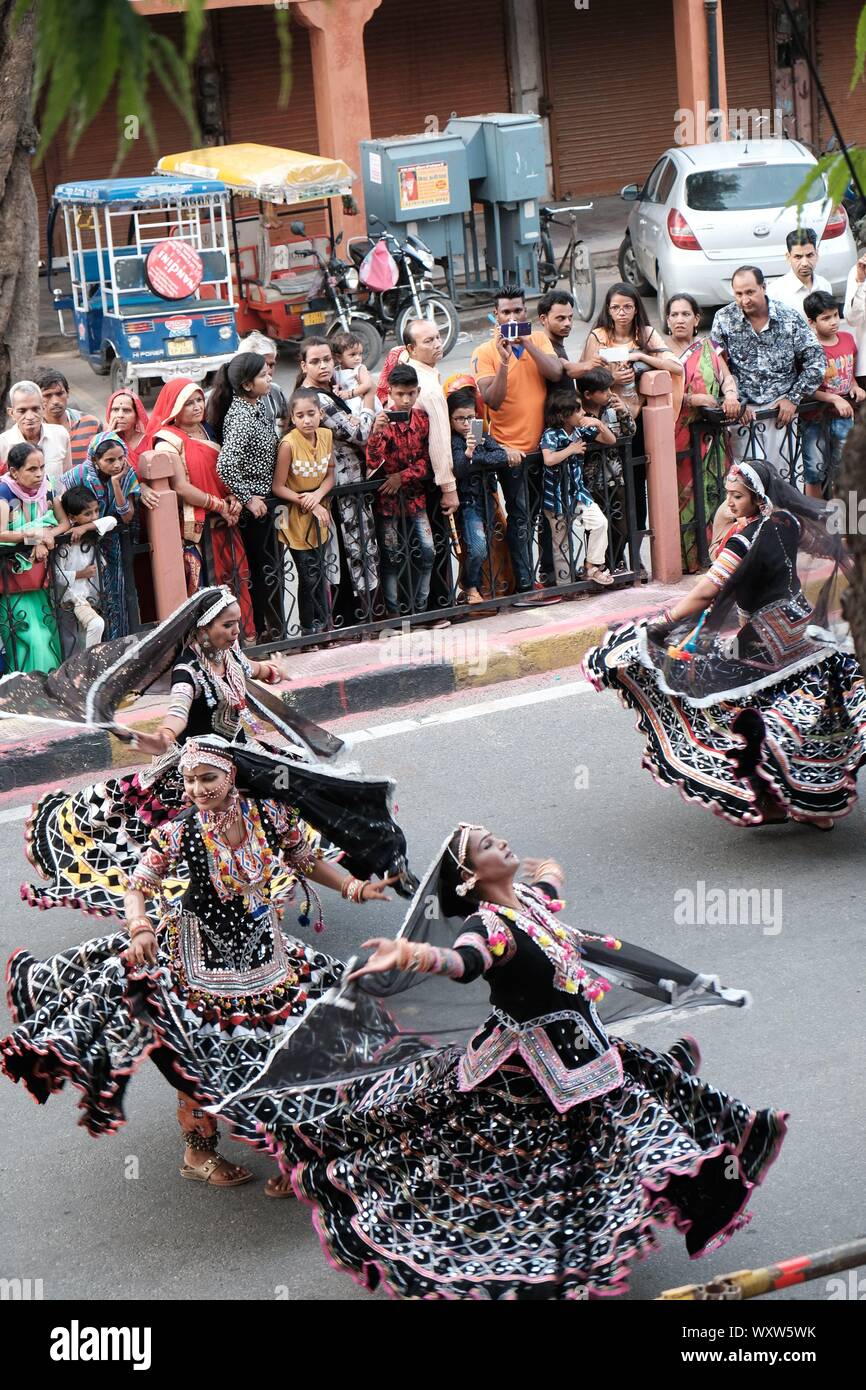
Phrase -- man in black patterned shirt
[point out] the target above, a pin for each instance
(776, 361)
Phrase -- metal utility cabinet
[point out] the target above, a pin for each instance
(507, 174)
(418, 184)
(429, 184)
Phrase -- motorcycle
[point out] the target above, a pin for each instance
(340, 282)
(413, 296)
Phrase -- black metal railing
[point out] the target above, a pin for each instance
(372, 565)
(808, 449)
(46, 617)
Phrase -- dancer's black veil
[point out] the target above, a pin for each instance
(368, 1026)
(718, 655)
(90, 687)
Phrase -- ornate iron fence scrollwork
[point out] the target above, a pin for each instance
(808, 449)
(366, 571)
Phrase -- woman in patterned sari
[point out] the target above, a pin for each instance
(707, 384)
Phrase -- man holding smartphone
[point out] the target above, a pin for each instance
(855, 307)
(513, 371)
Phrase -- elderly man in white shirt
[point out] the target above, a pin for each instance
(26, 410)
(855, 307)
(423, 344)
(802, 257)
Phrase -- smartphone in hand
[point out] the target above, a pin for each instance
(519, 329)
(476, 429)
(398, 417)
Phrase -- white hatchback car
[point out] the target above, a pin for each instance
(707, 209)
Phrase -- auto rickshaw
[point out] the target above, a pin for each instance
(151, 287)
(288, 281)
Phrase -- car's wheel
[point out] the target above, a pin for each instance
(629, 269)
(119, 377)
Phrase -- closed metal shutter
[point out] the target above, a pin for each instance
(246, 48)
(835, 28)
(748, 62)
(430, 61)
(610, 77)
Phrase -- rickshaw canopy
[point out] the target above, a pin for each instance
(264, 171)
(137, 192)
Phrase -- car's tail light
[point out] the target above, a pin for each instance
(836, 225)
(681, 233)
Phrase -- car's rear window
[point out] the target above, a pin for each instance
(759, 186)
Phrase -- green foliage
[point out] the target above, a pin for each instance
(86, 48)
(860, 53)
(284, 40)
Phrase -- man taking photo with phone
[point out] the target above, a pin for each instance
(512, 372)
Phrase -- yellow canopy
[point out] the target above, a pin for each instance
(263, 171)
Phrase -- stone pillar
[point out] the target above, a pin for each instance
(526, 66)
(340, 79)
(693, 71)
(661, 472)
(163, 529)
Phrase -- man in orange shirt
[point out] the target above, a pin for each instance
(512, 376)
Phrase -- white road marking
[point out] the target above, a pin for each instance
(426, 721)
(456, 716)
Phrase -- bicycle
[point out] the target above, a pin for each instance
(576, 263)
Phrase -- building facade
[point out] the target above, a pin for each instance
(617, 81)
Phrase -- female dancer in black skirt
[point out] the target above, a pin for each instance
(204, 980)
(746, 701)
(536, 1162)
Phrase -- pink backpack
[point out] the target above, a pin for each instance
(378, 270)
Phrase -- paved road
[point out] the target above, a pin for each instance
(555, 769)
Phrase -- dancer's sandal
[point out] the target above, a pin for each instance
(208, 1171)
(823, 823)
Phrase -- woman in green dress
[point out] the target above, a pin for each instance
(30, 519)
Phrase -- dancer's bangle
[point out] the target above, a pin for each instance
(421, 957)
(138, 926)
(353, 889)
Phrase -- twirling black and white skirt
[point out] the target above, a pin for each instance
(431, 1192)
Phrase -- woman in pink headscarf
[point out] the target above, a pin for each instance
(126, 416)
(177, 428)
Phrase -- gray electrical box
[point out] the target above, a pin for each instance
(507, 174)
(506, 157)
(418, 183)
(427, 184)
